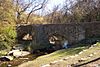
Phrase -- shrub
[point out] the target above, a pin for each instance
(7, 37)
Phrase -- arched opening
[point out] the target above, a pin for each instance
(58, 41)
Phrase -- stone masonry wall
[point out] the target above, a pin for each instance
(73, 32)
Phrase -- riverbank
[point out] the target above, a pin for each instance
(42, 59)
(65, 57)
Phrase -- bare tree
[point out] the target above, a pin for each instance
(55, 15)
(6, 12)
(82, 10)
(28, 7)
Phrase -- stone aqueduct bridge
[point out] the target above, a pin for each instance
(73, 32)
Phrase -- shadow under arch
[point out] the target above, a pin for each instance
(57, 40)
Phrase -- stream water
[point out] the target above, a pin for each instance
(20, 60)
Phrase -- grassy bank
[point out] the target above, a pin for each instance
(57, 55)
(60, 54)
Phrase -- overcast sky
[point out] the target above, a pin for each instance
(53, 3)
(50, 5)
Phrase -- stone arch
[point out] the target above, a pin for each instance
(57, 40)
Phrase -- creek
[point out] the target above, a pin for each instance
(20, 60)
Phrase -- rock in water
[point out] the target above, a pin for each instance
(6, 58)
(13, 51)
(18, 53)
(24, 53)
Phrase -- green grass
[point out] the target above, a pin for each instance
(57, 55)
(64, 52)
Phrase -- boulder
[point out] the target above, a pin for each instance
(6, 58)
(47, 65)
(24, 58)
(90, 55)
(24, 53)
(18, 53)
(18, 47)
(9, 65)
(81, 52)
(82, 59)
(66, 58)
(13, 51)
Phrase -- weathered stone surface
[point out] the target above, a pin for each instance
(18, 53)
(27, 37)
(72, 56)
(68, 65)
(84, 50)
(82, 59)
(24, 58)
(47, 65)
(52, 63)
(76, 55)
(73, 32)
(55, 61)
(66, 58)
(11, 52)
(18, 47)
(24, 53)
(81, 52)
(61, 60)
(90, 55)
(9, 65)
(6, 58)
